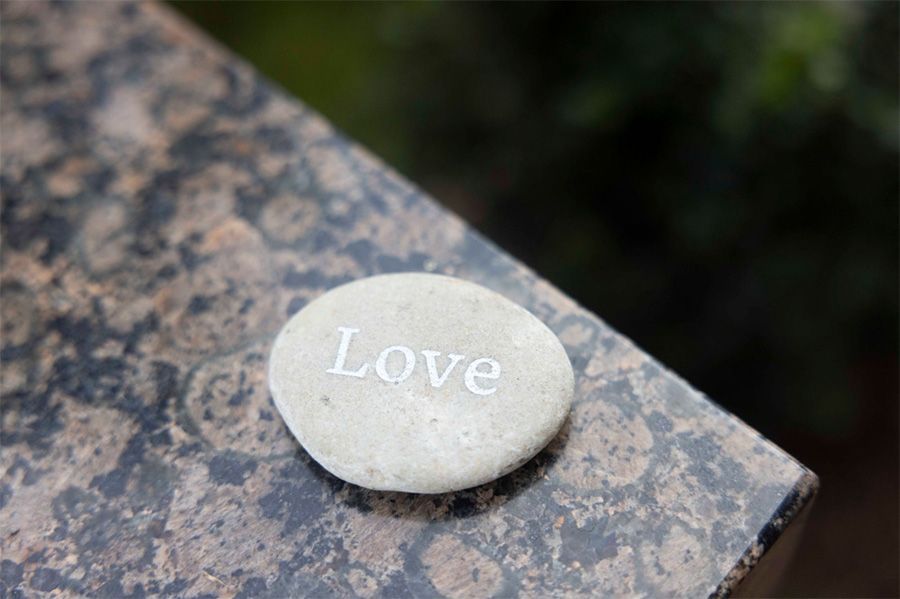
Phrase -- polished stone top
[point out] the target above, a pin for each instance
(164, 211)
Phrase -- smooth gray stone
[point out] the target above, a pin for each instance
(419, 383)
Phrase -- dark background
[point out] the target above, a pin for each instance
(718, 182)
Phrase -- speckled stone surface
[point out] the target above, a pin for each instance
(164, 211)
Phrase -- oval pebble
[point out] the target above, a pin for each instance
(420, 383)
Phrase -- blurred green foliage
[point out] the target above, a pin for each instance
(718, 181)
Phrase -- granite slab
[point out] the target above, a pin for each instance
(164, 210)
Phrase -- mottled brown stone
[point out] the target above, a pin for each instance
(163, 211)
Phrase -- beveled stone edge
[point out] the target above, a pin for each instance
(800, 498)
